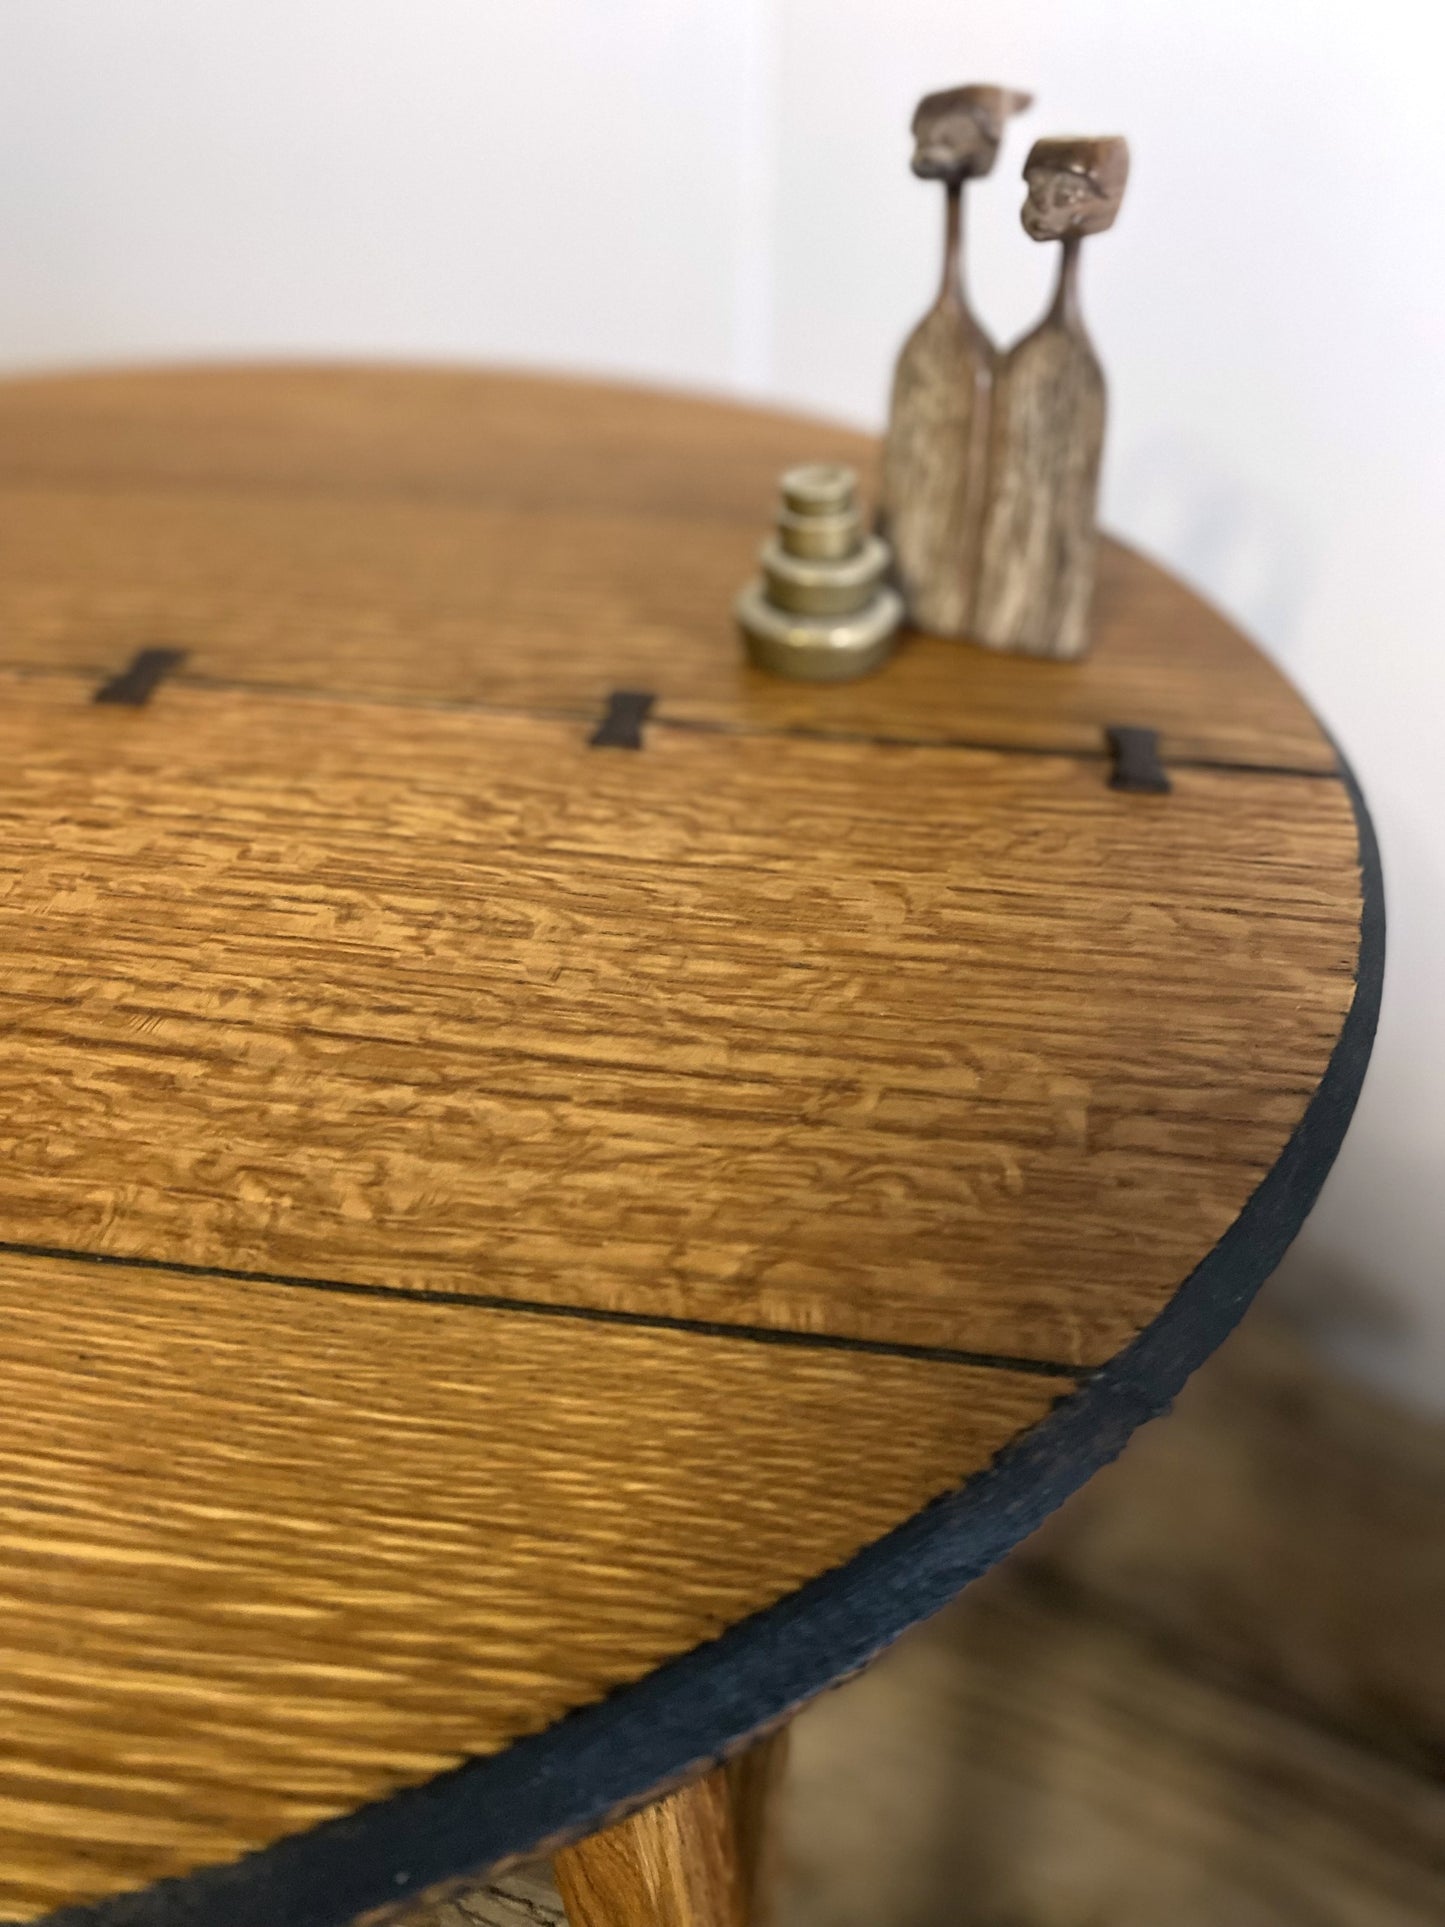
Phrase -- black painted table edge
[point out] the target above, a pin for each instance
(607, 1759)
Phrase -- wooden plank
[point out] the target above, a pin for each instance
(267, 1554)
(527, 545)
(926, 1047)
(428, 435)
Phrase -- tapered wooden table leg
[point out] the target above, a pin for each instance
(697, 1858)
(753, 1779)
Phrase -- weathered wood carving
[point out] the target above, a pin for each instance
(1040, 540)
(935, 461)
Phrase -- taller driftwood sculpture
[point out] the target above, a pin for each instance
(1036, 574)
(935, 459)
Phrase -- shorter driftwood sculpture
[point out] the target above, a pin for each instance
(1040, 539)
(934, 463)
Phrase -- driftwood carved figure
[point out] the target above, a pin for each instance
(935, 458)
(1040, 539)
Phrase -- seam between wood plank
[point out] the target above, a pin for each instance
(803, 732)
(584, 716)
(585, 1314)
(606, 1757)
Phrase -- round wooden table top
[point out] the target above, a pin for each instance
(524, 1259)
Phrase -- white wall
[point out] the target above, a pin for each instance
(548, 180)
(716, 192)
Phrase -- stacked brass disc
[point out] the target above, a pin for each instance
(821, 609)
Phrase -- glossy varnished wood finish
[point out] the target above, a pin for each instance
(266, 1553)
(891, 1045)
(346, 963)
(448, 537)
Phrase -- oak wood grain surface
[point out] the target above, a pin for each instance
(871, 1017)
(893, 1045)
(435, 536)
(266, 1553)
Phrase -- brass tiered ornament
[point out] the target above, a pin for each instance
(821, 609)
